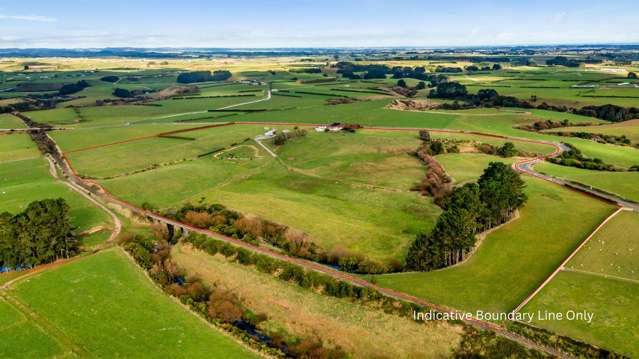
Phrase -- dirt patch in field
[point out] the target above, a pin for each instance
(412, 105)
(174, 91)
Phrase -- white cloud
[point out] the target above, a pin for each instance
(38, 18)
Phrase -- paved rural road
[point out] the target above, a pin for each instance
(527, 166)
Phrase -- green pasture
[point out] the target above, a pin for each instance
(612, 301)
(623, 184)
(104, 306)
(126, 158)
(613, 250)
(24, 177)
(22, 338)
(349, 191)
(629, 129)
(8, 120)
(467, 167)
(513, 260)
(603, 279)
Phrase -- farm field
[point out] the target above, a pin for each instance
(623, 184)
(22, 338)
(559, 86)
(233, 132)
(467, 167)
(317, 176)
(629, 129)
(612, 250)
(10, 121)
(126, 158)
(611, 301)
(603, 278)
(100, 306)
(304, 313)
(25, 177)
(513, 260)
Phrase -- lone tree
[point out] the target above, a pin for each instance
(507, 150)
(424, 135)
(401, 83)
(632, 75)
(420, 85)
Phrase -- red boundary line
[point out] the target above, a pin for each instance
(147, 137)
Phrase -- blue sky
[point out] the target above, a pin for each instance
(320, 23)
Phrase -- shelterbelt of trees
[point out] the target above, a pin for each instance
(42, 233)
(469, 209)
(491, 98)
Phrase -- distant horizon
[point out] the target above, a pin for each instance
(389, 47)
(311, 24)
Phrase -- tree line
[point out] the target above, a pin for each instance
(491, 98)
(203, 76)
(468, 210)
(42, 233)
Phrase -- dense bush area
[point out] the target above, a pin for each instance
(506, 150)
(42, 233)
(282, 137)
(203, 76)
(110, 78)
(549, 124)
(69, 89)
(223, 307)
(469, 209)
(477, 344)
(597, 137)
(436, 182)
(226, 310)
(567, 345)
(562, 61)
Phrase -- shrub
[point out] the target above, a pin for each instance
(224, 306)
